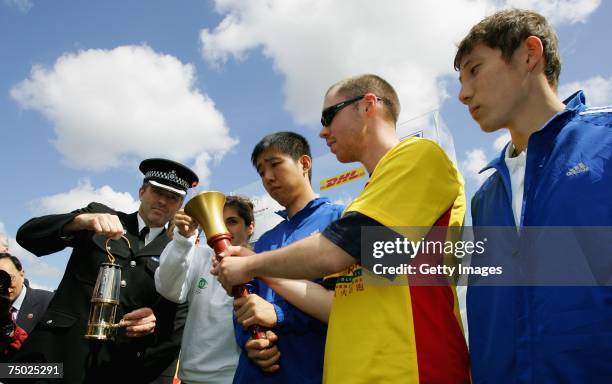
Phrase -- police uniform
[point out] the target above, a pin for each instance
(59, 336)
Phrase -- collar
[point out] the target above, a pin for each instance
(153, 231)
(510, 150)
(306, 211)
(19, 300)
(573, 105)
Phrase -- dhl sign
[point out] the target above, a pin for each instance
(342, 178)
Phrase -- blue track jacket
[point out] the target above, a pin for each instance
(301, 338)
(548, 334)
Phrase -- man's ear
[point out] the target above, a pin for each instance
(141, 192)
(306, 163)
(535, 51)
(371, 100)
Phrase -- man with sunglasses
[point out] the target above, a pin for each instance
(377, 332)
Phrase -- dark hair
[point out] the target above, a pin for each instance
(15, 260)
(362, 84)
(289, 143)
(507, 30)
(244, 207)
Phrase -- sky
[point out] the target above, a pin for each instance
(89, 89)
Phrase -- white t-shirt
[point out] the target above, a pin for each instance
(209, 353)
(516, 167)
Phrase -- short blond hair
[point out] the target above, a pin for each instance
(362, 84)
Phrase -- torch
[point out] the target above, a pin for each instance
(207, 209)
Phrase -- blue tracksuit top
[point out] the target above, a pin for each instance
(548, 334)
(301, 338)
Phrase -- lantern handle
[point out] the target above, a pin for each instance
(110, 256)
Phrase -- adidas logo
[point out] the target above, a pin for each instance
(579, 168)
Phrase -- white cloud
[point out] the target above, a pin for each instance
(39, 286)
(501, 141)
(598, 90)
(4, 241)
(33, 265)
(21, 5)
(202, 170)
(559, 11)
(83, 194)
(102, 104)
(474, 162)
(315, 43)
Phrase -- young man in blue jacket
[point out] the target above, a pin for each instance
(556, 171)
(294, 350)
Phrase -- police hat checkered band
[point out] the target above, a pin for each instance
(170, 176)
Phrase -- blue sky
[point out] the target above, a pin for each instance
(88, 89)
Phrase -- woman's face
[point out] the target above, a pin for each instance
(237, 227)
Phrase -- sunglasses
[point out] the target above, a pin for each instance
(328, 113)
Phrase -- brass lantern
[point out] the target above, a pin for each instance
(105, 299)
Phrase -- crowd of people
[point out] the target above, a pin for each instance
(322, 318)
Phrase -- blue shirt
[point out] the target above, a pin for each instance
(301, 338)
(548, 334)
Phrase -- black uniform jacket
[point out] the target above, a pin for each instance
(59, 336)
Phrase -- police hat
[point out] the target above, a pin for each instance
(168, 175)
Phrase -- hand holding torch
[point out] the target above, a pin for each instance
(207, 209)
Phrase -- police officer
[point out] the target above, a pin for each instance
(148, 339)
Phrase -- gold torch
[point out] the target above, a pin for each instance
(207, 209)
(105, 299)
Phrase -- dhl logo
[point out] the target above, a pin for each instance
(342, 178)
